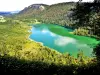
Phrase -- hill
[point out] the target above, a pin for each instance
(55, 14)
(5, 13)
(31, 10)
(8, 13)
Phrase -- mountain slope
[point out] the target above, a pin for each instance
(5, 13)
(56, 14)
(34, 9)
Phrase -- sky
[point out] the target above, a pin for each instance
(15, 5)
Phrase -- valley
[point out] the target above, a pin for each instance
(56, 39)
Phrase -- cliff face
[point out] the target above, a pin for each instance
(33, 8)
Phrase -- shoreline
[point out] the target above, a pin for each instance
(47, 46)
(30, 38)
(41, 43)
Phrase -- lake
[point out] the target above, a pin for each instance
(61, 39)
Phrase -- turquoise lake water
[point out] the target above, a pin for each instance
(60, 39)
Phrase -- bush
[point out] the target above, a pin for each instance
(81, 31)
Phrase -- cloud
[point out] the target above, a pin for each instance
(62, 41)
(83, 46)
(52, 34)
(44, 31)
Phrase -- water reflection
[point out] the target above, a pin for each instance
(63, 41)
(44, 31)
(52, 34)
(59, 42)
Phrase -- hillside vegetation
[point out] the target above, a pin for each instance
(55, 14)
(19, 55)
(18, 51)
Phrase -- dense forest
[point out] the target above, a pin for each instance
(55, 14)
(89, 19)
(19, 55)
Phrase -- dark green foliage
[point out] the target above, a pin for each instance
(97, 52)
(13, 66)
(81, 31)
(89, 18)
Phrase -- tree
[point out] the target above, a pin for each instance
(89, 18)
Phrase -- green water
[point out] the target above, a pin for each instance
(60, 39)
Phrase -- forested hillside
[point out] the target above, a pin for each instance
(55, 14)
(17, 50)
(20, 55)
(89, 19)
